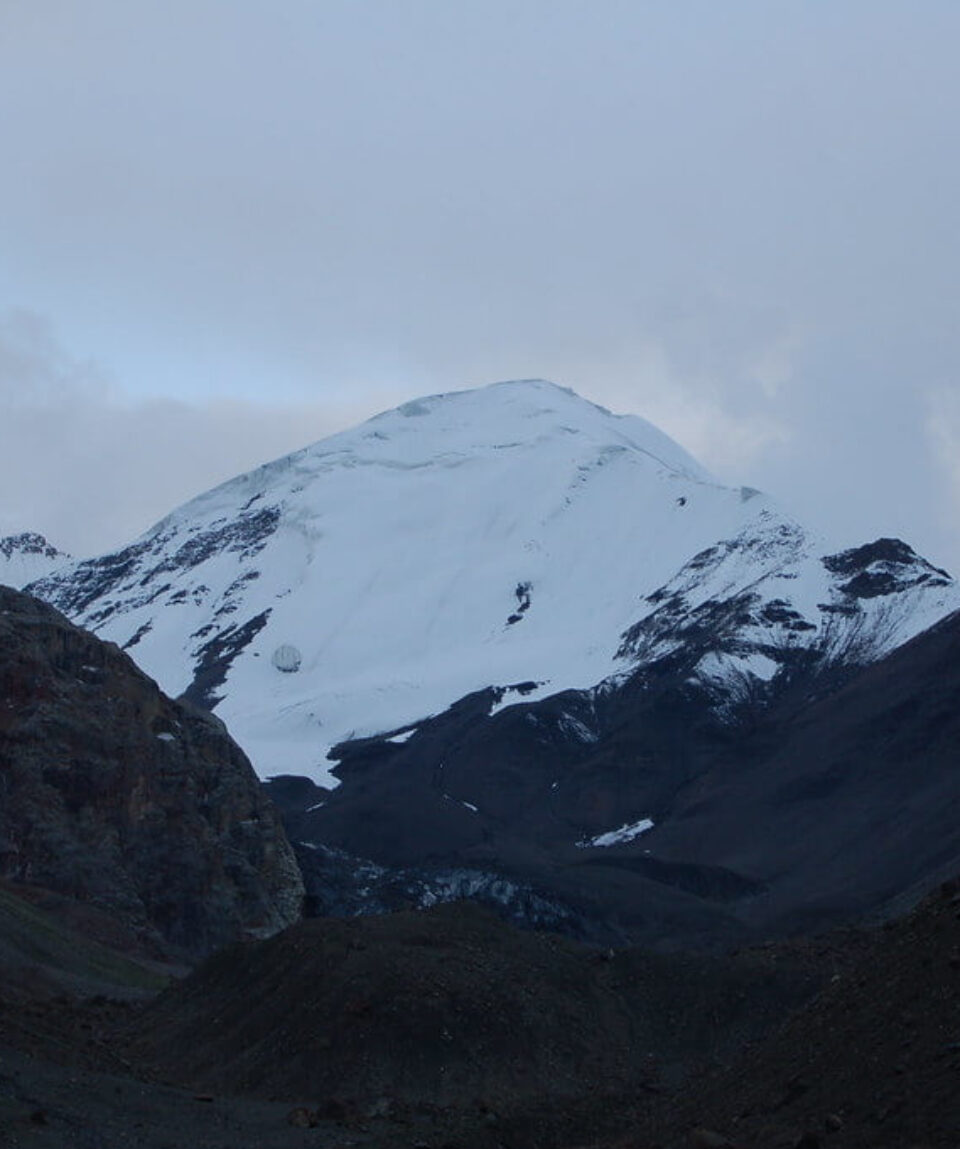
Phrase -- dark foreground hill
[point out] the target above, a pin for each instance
(450, 1007)
(873, 1061)
(437, 1027)
(449, 1029)
(115, 795)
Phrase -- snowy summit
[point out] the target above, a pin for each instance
(514, 534)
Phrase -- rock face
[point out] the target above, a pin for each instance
(115, 794)
(26, 557)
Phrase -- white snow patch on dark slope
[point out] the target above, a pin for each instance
(628, 832)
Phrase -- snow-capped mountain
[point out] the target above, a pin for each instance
(27, 557)
(515, 537)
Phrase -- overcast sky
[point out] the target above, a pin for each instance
(229, 227)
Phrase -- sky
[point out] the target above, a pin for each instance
(230, 227)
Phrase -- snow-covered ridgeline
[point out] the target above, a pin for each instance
(513, 534)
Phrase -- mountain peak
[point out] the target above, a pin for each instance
(551, 427)
(463, 542)
(509, 414)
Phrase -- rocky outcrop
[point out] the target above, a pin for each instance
(113, 793)
(29, 543)
(26, 557)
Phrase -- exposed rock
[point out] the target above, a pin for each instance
(115, 794)
(807, 1140)
(28, 556)
(28, 543)
(302, 1118)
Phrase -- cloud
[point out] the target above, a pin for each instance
(717, 386)
(736, 220)
(727, 432)
(91, 467)
(943, 432)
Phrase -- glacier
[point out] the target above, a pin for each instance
(514, 536)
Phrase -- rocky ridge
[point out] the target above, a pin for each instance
(118, 796)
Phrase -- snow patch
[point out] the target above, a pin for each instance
(627, 833)
(576, 729)
(460, 802)
(720, 667)
(399, 739)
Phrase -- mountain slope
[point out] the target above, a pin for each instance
(515, 536)
(845, 801)
(672, 823)
(870, 1063)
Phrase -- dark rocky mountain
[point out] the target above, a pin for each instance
(834, 796)
(839, 797)
(115, 795)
